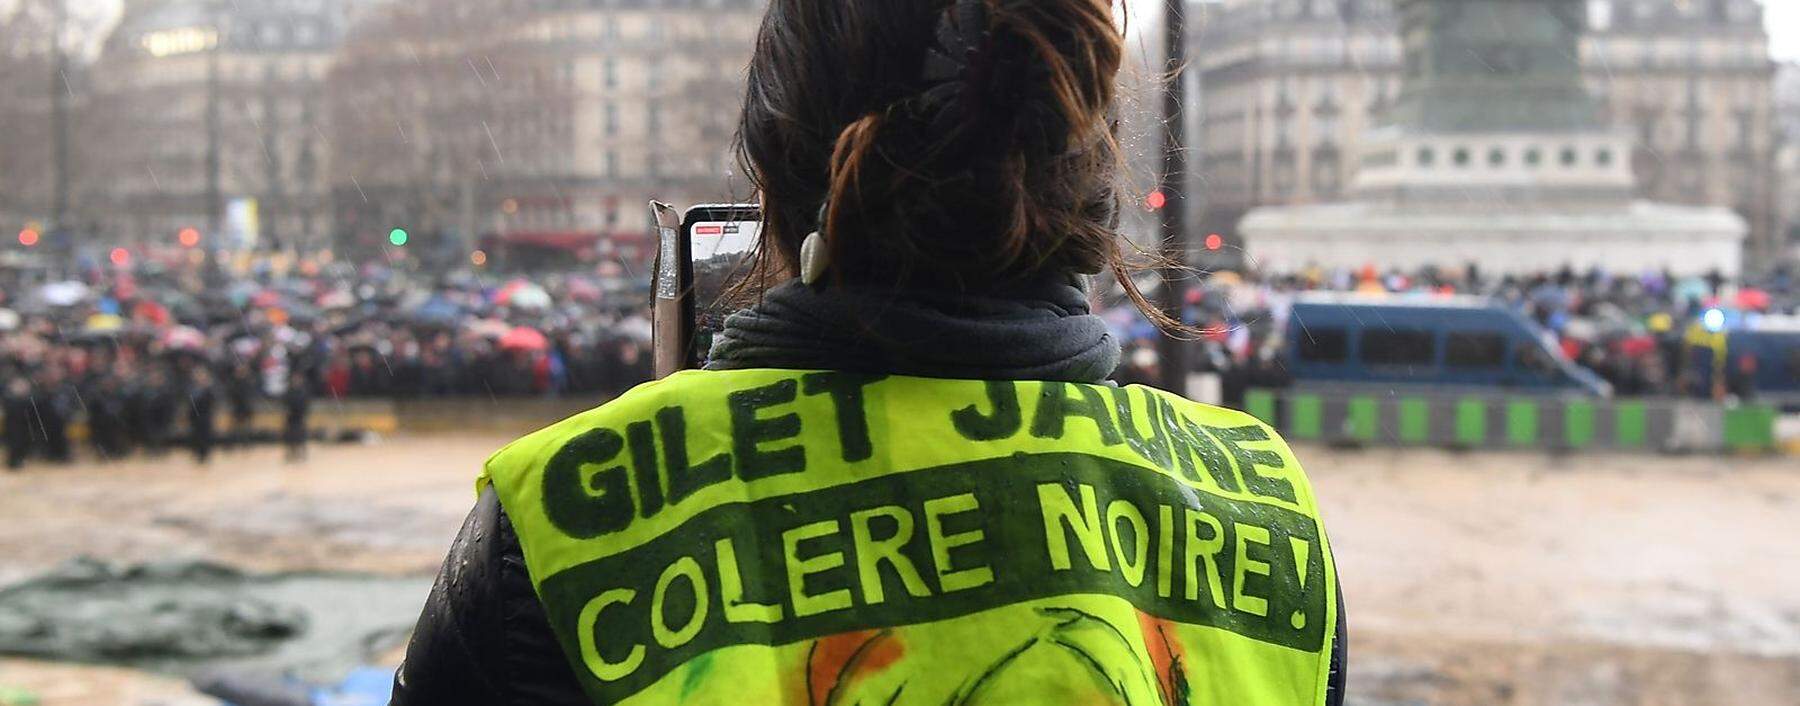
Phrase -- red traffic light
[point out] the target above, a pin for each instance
(28, 237)
(189, 237)
(1214, 241)
(1156, 200)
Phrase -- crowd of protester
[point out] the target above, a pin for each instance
(153, 359)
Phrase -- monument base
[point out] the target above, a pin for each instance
(1639, 237)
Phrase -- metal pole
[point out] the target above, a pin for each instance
(215, 207)
(1172, 354)
(59, 119)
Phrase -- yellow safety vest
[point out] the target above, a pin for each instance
(821, 538)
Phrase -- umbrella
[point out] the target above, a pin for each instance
(62, 293)
(184, 337)
(337, 299)
(489, 328)
(524, 338)
(438, 310)
(104, 323)
(584, 290)
(1581, 328)
(153, 313)
(1753, 299)
(523, 295)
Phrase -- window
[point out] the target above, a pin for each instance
(612, 119)
(1426, 156)
(1497, 157)
(1324, 345)
(1534, 157)
(1532, 359)
(1396, 347)
(1461, 157)
(1603, 157)
(1570, 157)
(611, 71)
(1467, 349)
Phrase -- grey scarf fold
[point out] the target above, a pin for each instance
(1041, 331)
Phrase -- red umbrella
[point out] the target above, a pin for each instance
(151, 312)
(524, 338)
(1753, 299)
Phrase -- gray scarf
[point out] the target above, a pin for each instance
(1040, 331)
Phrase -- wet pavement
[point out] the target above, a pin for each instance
(1510, 579)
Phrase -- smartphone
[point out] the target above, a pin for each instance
(701, 257)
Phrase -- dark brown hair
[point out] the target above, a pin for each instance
(963, 144)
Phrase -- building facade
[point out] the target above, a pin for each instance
(1787, 159)
(1292, 88)
(211, 117)
(548, 129)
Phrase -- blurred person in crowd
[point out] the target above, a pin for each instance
(155, 409)
(107, 414)
(21, 414)
(240, 394)
(296, 406)
(202, 408)
(56, 406)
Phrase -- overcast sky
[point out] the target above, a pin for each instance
(1784, 28)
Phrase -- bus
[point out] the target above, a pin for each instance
(1435, 343)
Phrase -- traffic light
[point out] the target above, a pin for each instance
(1155, 200)
(29, 236)
(188, 237)
(398, 237)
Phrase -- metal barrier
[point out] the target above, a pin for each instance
(1464, 420)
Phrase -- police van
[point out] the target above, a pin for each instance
(1426, 343)
(1752, 356)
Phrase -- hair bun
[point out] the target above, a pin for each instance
(977, 77)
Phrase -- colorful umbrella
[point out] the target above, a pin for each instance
(523, 295)
(524, 338)
(184, 338)
(1753, 299)
(104, 323)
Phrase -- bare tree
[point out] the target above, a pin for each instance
(27, 66)
(424, 101)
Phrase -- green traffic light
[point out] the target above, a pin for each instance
(397, 236)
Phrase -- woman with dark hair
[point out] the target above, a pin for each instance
(903, 477)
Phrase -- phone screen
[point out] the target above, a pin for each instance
(721, 241)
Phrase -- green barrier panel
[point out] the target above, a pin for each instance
(1415, 420)
(1522, 423)
(1304, 413)
(1261, 404)
(1471, 422)
(1629, 423)
(1365, 418)
(1578, 424)
(1750, 428)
